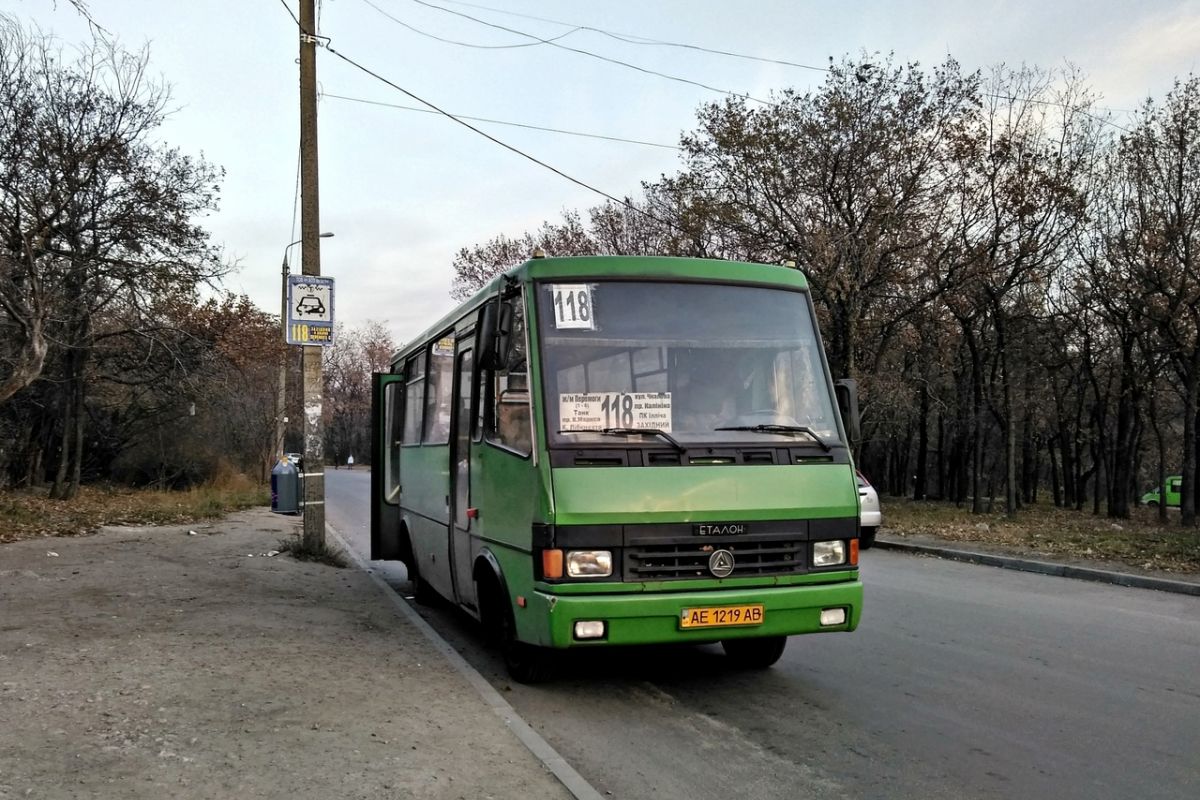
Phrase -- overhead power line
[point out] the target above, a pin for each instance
(640, 40)
(589, 53)
(420, 32)
(631, 38)
(292, 13)
(505, 145)
(505, 122)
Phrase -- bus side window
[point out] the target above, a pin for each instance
(414, 403)
(438, 399)
(394, 427)
(509, 421)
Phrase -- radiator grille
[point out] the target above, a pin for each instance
(690, 560)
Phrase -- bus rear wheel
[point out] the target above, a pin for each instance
(423, 593)
(754, 653)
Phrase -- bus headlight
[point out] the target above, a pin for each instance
(589, 563)
(829, 554)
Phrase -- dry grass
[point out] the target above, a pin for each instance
(29, 514)
(1055, 533)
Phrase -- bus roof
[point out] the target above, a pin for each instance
(643, 267)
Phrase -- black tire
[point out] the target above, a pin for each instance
(423, 593)
(1153, 504)
(529, 664)
(526, 663)
(754, 653)
(866, 538)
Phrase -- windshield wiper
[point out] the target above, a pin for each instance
(780, 429)
(631, 432)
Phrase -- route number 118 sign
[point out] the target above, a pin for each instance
(573, 306)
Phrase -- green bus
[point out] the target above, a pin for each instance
(623, 450)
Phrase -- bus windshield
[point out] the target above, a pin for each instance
(688, 359)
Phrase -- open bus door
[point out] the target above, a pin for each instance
(387, 427)
(462, 425)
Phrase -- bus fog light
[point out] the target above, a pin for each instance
(594, 628)
(829, 616)
(589, 563)
(828, 554)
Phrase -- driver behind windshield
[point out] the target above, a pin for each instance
(704, 392)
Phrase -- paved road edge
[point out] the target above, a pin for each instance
(1044, 567)
(575, 783)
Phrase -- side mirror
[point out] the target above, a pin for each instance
(495, 329)
(847, 398)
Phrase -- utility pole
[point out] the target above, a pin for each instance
(310, 226)
(281, 390)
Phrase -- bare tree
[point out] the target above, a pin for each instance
(1160, 238)
(847, 180)
(98, 217)
(348, 367)
(475, 266)
(1024, 162)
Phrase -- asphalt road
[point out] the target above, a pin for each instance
(963, 681)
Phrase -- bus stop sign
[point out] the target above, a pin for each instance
(310, 310)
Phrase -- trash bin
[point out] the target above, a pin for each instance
(285, 487)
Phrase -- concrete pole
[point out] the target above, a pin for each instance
(310, 227)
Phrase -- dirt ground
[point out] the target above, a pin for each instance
(154, 663)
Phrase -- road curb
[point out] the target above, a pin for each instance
(1044, 567)
(550, 758)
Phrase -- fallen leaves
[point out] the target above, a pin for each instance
(30, 514)
(1054, 533)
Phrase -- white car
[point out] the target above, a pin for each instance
(869, 515)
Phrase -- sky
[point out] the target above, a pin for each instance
(403, 191)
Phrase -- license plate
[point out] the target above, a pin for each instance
(722, 616)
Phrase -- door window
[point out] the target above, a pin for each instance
(462, 442)
(393, 403)
(509, 420)
(414, 394)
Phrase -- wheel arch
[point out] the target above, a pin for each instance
(487, 568)
(405, 548)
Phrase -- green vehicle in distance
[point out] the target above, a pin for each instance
(617, 451)
(1152, 497)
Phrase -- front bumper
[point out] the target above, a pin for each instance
(870, 519)
(653, 618)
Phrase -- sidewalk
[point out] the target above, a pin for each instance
(150, 663)
(996, 555)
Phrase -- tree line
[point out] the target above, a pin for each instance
(121, 359)
(1009, 272)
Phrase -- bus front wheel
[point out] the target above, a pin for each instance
(754, 653)
(866, 538)
(526, 663)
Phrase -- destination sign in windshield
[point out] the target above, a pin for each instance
(596, 410)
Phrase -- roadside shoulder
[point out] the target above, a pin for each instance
(188, 662)
(1013, 558)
